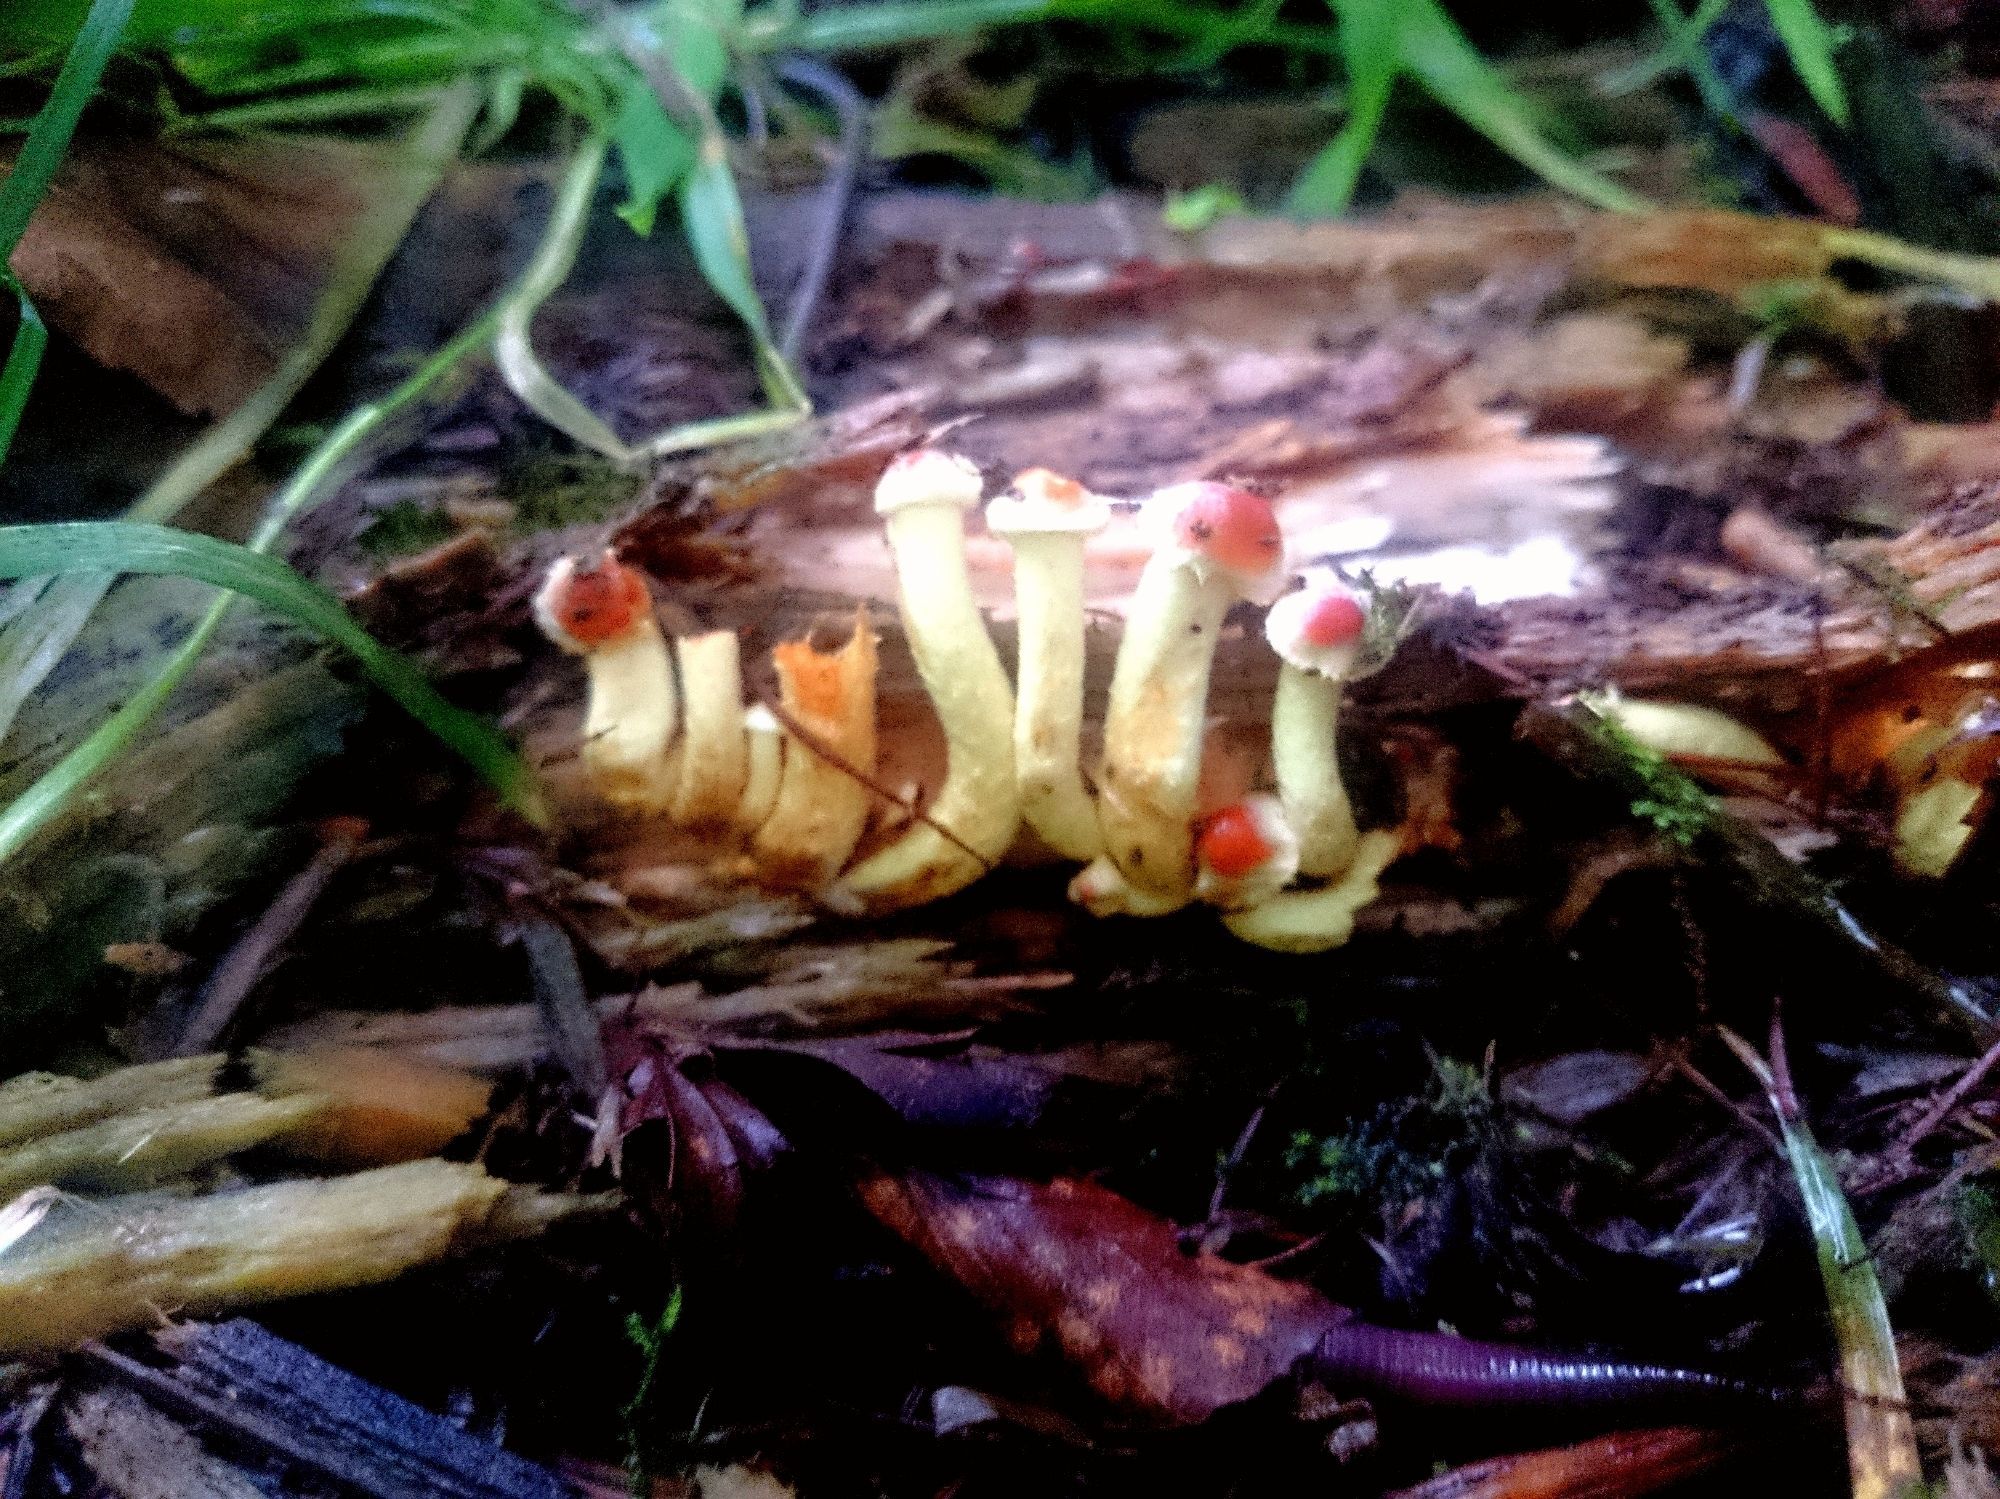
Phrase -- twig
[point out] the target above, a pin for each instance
(1953, 1097)
(831, 85)
(245, 964)
(812, 742)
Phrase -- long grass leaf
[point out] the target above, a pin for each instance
(1881, 1442)
(51, 793)
(712, 214)
(48, 139)
(24, 360)
(514, 346)
(127, 547)
(49, 614)
(1810, 43)
(1437, 53)
(1369, 46)
(897, 23)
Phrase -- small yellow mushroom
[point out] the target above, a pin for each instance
(1047, 519)
(1245, 853)
(972, 820)
(1309, 921)
(605, 615)
(821, 806)
(714, 755)
(765, 767)
(1317, 634)
(1217, 545)
(1101, 890)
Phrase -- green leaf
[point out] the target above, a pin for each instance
(48, 139)
(1370, 46)
(654, 149)
(24, 358)
(712, 216)
(1881, 1441)
(1436, 52)
(100, 547)
(1193, 211)
(1810, 44)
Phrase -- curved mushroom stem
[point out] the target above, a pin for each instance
(714, 758)
(1048, 717)
(605, 615)
(1309, 921)
(821, 806)
(979, 802)
(1101, 890)
(1305, 716)
(764, 757)
(1153, 724)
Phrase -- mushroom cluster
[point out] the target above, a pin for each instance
(1287, 870)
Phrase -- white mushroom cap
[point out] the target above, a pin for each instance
(1320, 627)
(1218, 529)
(927, 476)
(1041, 501)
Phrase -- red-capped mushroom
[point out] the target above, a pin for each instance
(1317, 633)
(1245, 852)
(1218, 544)
(605, 615)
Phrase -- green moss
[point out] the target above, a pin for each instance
(404, 529)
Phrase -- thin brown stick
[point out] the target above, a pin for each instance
(245, 964)
(811, 741)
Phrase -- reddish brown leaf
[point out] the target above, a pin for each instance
(1626, 1463)
(1161, 1333)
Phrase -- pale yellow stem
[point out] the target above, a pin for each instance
(629, 724)
(1048, 714)
(714, 754)
(765, 749)
(1146, 792)
(979, 802)
(1305, 717)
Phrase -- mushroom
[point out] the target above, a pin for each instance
(764, 757)
(822, 804)
(605, 615)
(1101, 890)
(1245, 853)
(1308, 921)
(1317, 633)
(1218, 544)
(714, 757)
(1046, 519)
(923, 497)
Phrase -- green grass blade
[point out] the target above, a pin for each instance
(1810, 44)
(1369, 46)
(102, 547)
(514, 348)
(51, 613)
(24, 359)
(858, 28)
(712, 215)
(1437, 53)
(654, 150)
(1881, 1442)
(48, 140)
(52, 791)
